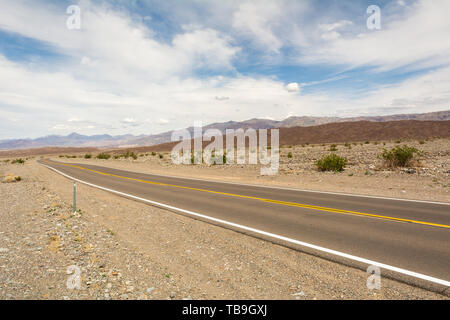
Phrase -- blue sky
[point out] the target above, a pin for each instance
(145, 67)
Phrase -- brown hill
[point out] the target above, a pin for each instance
(365, 131)
(342, 132)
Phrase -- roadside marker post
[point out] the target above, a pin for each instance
(74, 197)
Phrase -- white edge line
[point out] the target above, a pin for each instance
(268, 234)
(278, 187)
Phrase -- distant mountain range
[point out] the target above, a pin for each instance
(129, 140)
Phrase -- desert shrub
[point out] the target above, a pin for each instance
(289, 155)
(367, 142)
(18, 178)
(161, 156)
(331, 162)
(129, 154)
(88, 156)
(400, 156)
(421, 142)
(133, 155)
(18, 161)
(333, 147)
(104, 156)
(153, 153)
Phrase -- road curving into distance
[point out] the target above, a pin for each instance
(408, 240)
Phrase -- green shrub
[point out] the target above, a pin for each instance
(88, 156)
(129, 154)
(18, 161)
(331, 162)
(18, 178)
(104, 156)
(153, 153)
(399, 156)
(161, 156)
(289, 155)
(333, 147)
(421, 142)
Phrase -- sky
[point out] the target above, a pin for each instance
(145, 67)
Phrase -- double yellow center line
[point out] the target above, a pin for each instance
(292, 204)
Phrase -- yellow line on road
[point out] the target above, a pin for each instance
(292, 204)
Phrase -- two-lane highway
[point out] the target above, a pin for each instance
(411, 238)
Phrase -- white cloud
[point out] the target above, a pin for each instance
(257, 20)
(119, 72)
(334, 26)
(329, 31)
(415, 40)
(163, 121)
(118, 44)
(293, 87)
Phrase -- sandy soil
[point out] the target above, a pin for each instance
(129, 250)
(366, 174)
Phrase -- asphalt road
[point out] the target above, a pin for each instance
(414, 236)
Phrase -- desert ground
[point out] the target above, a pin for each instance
(129, 250)
(426, 179)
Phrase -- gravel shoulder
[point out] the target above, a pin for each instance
(129, 250)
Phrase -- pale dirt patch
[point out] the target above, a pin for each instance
(129, 250)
